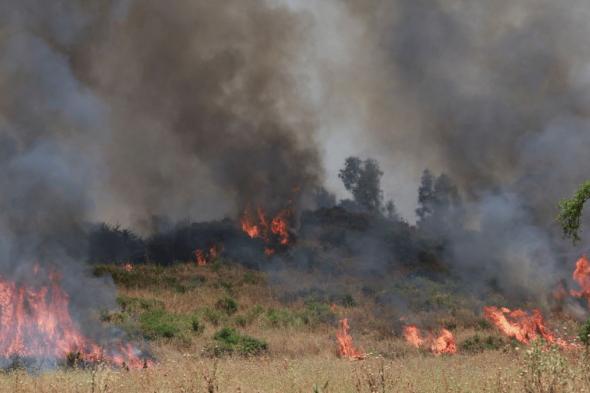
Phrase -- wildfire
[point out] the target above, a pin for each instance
(128, 267)
(522, 326)
(203, 258)
(582, 276)
(346, 348)
(35, 323)
(444, 343)
(272, 231)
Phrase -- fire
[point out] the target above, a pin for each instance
(203, 258)
(413, 336)
(128, 267)
(272, 231)
(444, 343)
(35, 323)
(346, 347)
(522, 326)
(582, 276)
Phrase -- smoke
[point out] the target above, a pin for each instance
(141, 112)
(494, 95)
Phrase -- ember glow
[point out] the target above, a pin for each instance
(346, 348)
(203, 258)
(523, 326)
(272, 231)
(35, 323)
(582, 276)
(443, 343)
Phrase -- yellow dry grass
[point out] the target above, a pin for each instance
(300, 359)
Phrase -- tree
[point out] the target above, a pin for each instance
(425, 192)
(362, 178)
(439, 203)
(570, 212)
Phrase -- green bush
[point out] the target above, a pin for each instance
(161, 324)
(229, 341)
(227, 305)
(158, 323)
(585, 333)
(316, 313)
(214, 317)
(135, 305)
(478, 343)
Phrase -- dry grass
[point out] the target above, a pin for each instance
(185, 372)
(301, 358)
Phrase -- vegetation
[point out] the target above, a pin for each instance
(229, 341)
(570, 213)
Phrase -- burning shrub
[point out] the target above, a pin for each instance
(229, 341)
(227, 305)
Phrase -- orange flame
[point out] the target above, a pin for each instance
(36, 323)
(413, 336)
(275, 230)
(444, 343)
(128, 267)
(522, 326)
(203, 259)
(582, 276)
(346, 348)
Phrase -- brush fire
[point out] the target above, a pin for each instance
(346, 348)
(441, 344)
(523, 326)
(273, 231)
(36, 327)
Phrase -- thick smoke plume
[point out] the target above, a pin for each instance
(495, 95)
(126, 111)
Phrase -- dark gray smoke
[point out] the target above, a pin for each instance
(126, 111)
(493, 94)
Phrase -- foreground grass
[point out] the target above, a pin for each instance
(224, 329)
(486, 372)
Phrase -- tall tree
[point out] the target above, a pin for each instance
(362, 178)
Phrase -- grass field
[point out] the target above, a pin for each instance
(290, 346)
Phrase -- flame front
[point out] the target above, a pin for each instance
(522, 326)
(444, 343)
(346, 348)
(582, 276)
(36, 323)
(413, 336)
(270, 231)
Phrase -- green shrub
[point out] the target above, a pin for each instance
(214, 317)
(135, 305)
(227, 305)
(161, 324)
(229, 341)
(316, 313)
(196, 325)
(585, 333)
(158, 323)
(281, 318)
(478, 343)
